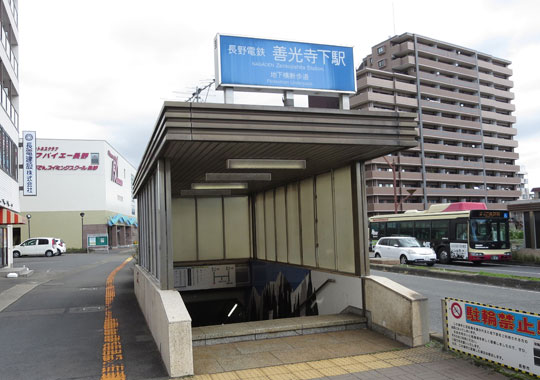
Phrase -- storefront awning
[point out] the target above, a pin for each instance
(10, 217)
(120, 219)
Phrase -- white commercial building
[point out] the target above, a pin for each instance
(9, 127)
(83, 189)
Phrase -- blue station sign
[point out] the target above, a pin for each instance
(254, 63)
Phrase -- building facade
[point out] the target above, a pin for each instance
(83, 189)
(9, 127)
(467, 150)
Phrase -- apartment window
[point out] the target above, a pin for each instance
(381, 63)
(381, 50)
(8, 155)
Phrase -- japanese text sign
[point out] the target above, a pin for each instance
(244, 62)
(508, 337)
(29, 163)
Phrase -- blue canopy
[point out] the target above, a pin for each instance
(121, 219)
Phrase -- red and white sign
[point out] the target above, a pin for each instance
(508, 337)
(114, 169)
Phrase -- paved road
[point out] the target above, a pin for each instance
(57, 330)
(436, 289)
(515, 270)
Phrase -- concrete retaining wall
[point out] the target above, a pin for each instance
(396, 311)
(169, 323)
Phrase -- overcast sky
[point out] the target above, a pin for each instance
(101, 69)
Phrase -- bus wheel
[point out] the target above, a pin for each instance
(477, 262)
(444, 257)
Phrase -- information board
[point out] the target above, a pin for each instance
(205, 277)
(505, 336)
(245, 62)
(98, 240)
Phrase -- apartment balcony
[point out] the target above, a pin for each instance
(497, 154)
(495, 68)
(445, 53)
(495, 80)
(386, 175)
(401, 63)
(465, 137)
(453, 164)
(502, 167)
(448, 192)
(402, 49)
(498, 180)
(500, 142)
(457, 96)
(500, 105)
(441, 107)
(389, 191)
(504, 193)
(384, 80)
(454, 82)
(454, 178)
(500, 93)
(436, 65)
(498, 116)
(446, 121)
(388, 208)
(498, 129)
(401, 160)
(451, 149)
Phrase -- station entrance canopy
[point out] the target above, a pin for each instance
(191, 185)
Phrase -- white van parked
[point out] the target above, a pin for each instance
(406, 249)
(41, 246)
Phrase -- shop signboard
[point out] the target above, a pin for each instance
(29, 163)
(247, 63)
(505, 336)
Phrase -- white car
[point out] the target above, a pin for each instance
(60, 246)
(39, 246)
(406, 249)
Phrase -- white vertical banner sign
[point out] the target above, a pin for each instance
(29, 163)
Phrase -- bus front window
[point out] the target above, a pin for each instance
(485, 230)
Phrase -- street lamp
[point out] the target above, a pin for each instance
(28, 216)
(82, 230)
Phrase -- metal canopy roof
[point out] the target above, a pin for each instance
(199, 138)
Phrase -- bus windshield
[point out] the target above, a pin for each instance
(488, 230)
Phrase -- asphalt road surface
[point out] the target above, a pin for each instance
(57, 330)
(514, 270)
(436, 289)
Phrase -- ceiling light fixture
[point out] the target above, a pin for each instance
(265, 164)
(238, 177)
(219, 186)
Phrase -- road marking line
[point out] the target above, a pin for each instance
(7, 297)
(113, 365)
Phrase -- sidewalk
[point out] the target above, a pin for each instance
(344, 355)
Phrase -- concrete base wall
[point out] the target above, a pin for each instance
(396, 311)
(169, 323)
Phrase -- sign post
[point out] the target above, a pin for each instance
(29, 163)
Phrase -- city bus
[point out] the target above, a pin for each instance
(456, 231)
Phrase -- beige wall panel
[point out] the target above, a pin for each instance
(210, 228)
(307, 217)
(270, 232)
(184, 230)
(344, 219)
(259, 226)
(281, 225)
(237, 240)
(293, 225)
(325, 222)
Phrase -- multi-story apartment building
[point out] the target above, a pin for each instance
(9, 127)
(466, 146)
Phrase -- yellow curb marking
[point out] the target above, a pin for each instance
(113, 365)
